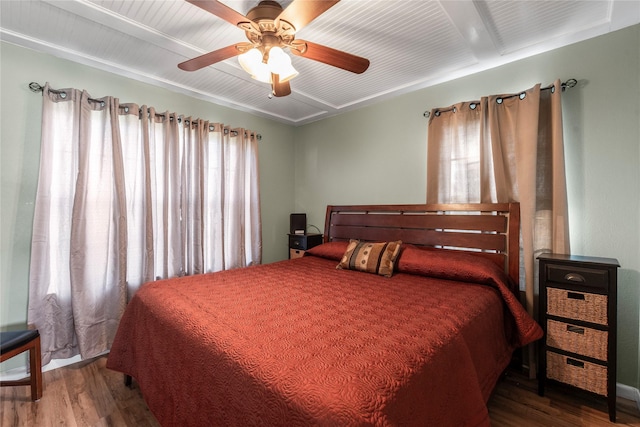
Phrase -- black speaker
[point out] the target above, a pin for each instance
(298, 223)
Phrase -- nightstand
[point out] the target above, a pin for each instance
(577, 312)
(298, 243)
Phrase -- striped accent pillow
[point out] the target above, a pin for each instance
(378, 258)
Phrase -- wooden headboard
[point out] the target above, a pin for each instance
(488, 229)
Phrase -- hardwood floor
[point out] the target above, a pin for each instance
(88, 394)
(515, 402)
(83, 394)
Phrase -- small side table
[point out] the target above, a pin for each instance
(299, 243)
(578, 303)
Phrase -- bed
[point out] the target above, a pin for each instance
(422, 341)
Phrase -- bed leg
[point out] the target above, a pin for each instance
(127, 380)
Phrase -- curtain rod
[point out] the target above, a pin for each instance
(36, 87)
(565, 85)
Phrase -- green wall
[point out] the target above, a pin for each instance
(20, 116)
(377, 154)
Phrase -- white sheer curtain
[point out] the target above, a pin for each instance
(127, 195)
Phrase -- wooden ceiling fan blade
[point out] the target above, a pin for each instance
(330, 56)
(211, 57)
(279, 88)
(300, 12)
(223, 11)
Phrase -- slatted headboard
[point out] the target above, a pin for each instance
(488, 229)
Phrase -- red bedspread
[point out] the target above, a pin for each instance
(300, 343)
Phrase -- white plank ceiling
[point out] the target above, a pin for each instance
(411, 44)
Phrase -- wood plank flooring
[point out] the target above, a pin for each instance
(82, 394)
(88, 394)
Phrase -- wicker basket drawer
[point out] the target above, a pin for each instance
(577, 339)
(578, 373)
(296, 253)
(577, 305)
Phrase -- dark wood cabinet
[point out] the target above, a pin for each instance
(298, 243)
(577, 311)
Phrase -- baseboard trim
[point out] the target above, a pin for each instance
(21, 372)
(628, 392)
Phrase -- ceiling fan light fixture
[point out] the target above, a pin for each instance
(287, 73)
(280, 63)
(262, 73)
(250, 60)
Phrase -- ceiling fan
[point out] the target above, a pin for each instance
(269, 29)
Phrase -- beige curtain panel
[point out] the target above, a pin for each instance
(506, 148)
(127, 195)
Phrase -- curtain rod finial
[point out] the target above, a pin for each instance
(569, 84)
(36, 87)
